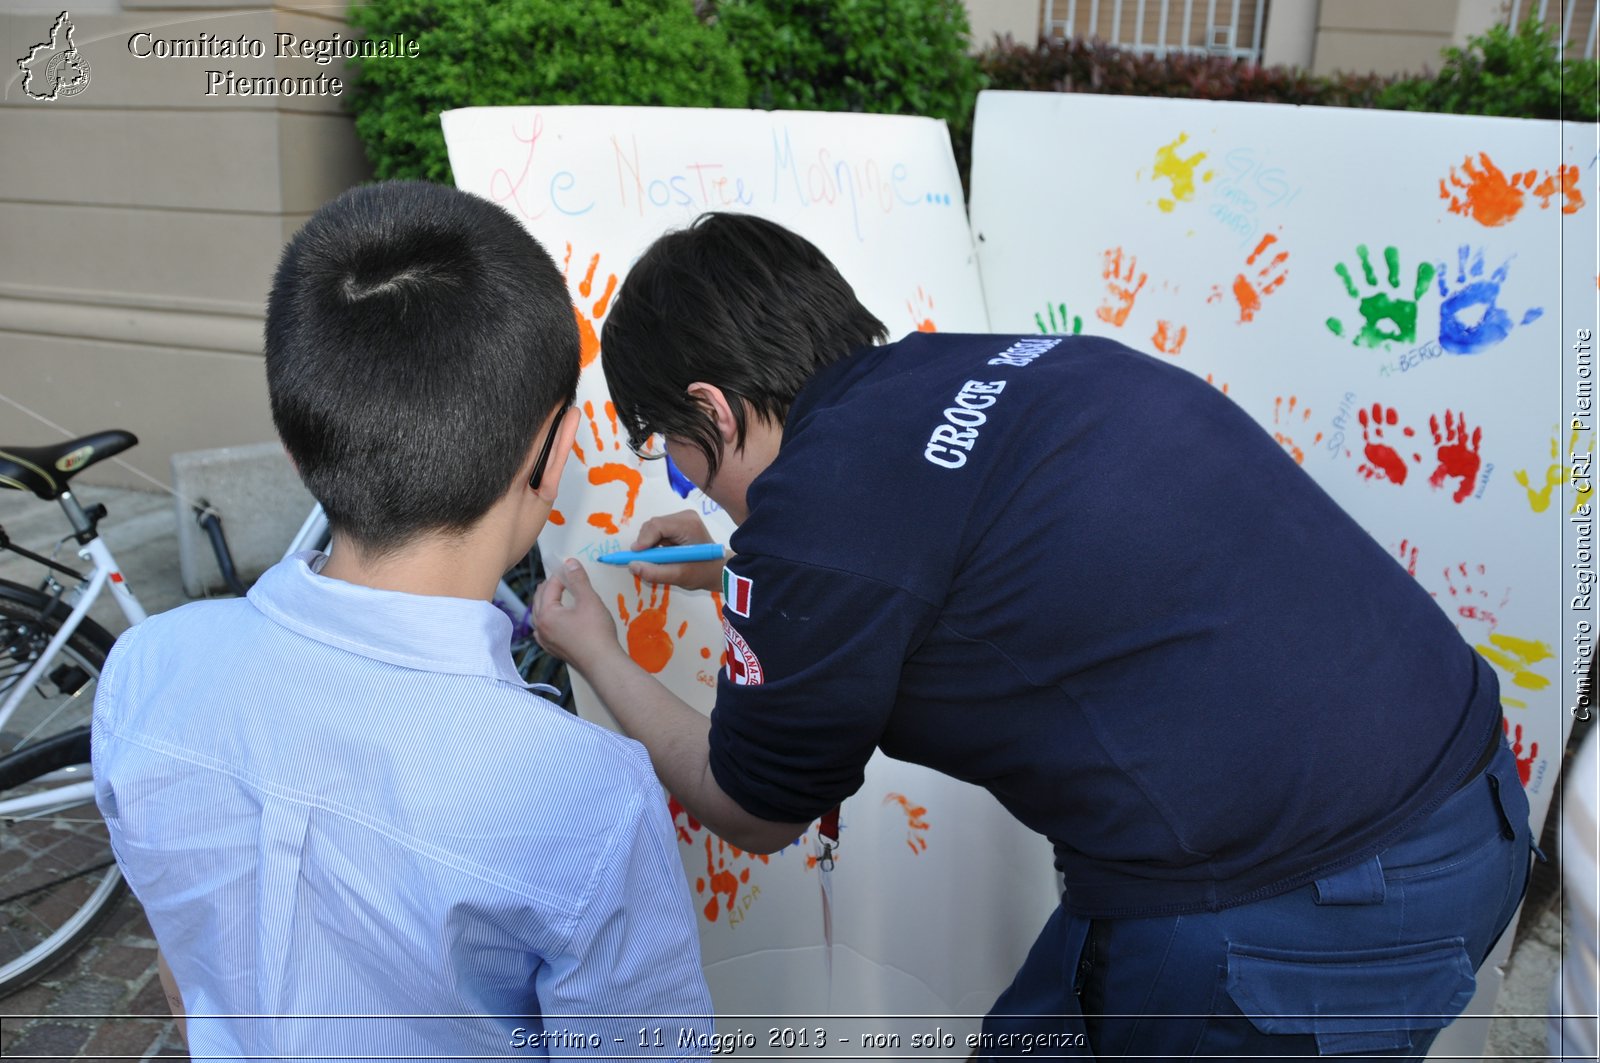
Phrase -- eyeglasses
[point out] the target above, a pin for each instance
(544, 451)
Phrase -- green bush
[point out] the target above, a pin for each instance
(1521, 75)
(507, 52)
(880, 56)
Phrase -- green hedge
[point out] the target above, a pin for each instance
(880, 56)
(1519, 74)
(505, 52)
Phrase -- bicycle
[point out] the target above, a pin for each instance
(58, 878)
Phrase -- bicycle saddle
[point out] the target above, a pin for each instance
(46, 470)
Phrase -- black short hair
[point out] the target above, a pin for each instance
(416, 338)
(735, 301)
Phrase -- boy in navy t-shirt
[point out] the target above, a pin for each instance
(1079, 577)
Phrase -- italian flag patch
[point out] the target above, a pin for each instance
(736, 592)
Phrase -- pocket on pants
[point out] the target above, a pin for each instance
(1366, 1000)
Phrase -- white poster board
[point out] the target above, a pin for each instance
(937, 891)
(1399, 298)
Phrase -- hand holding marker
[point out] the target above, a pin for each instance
(674, 548)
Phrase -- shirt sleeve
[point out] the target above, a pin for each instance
(812, 675)
(633, 961)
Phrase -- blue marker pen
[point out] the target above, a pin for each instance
(666, 555)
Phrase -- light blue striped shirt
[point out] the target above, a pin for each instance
(339, 801)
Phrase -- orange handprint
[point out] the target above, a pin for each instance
(1563, 181)
(1524, 763)
(689, 822)
(1248, 291)
(720, 880)
(1169, 339)
(916, 826)
(1458, 454)
(648, 642)
(588, 334)
(1121, 287)
(1382, 462)
(1283, 420)
(1486, 194)
(608, 472)
(922, 311)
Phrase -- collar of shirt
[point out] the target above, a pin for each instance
(456, 636)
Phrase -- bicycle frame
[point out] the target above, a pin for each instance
(103, 571)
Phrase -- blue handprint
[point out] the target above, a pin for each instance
(1461, 330)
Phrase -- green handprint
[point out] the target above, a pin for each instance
(1064, 325)
(1380, 308)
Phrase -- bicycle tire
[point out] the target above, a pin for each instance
(68, 883)
(64, 700)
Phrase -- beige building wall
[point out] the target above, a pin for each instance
(1393, 37)
(142, 219)
(1018, 19)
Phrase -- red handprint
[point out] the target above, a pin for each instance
(1458, 453)
(1524, 763)
(1383, 461)
(1408, 558)
(1472, 602)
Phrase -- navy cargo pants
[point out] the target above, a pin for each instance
(1373, 959)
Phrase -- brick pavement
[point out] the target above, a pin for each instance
(104, 1003)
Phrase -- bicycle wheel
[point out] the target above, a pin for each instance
(63, 699)
(58, 878)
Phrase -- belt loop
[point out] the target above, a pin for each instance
(1362, 884)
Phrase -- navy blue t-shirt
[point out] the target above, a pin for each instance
(1086, 580)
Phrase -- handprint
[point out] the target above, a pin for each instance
(1558, 473)
(1518, 656)
(648, 642)
(1524, 763)
(1471, 601)
(1059, 322)
(1249, 290)
(1469, 320)
(604, 472)
(921, 311)
(1386, 318)
(1169, 338)
(1457, 452)
(1283, 420)
(1121, 287)
(1179, 172)
(1563, 182)
(1383, 462)
(589, 317)
(1487, 194)
(916, 826)
(1408, 556)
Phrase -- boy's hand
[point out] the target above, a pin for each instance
(677, 529)
(583, 633)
